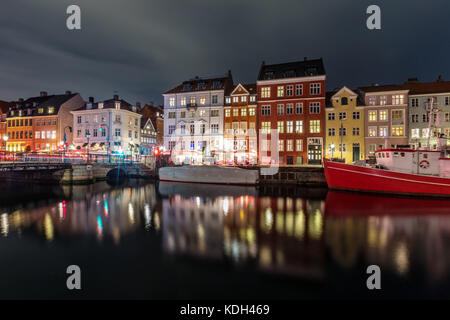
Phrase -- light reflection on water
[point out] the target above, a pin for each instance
(292, 235)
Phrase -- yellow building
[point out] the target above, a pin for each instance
(344, 126)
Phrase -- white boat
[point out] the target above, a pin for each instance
(209, 174)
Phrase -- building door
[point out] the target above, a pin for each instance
(289, 160)
(314, 150)
(356, 151)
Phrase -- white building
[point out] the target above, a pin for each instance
(193, 119)
(112, 122)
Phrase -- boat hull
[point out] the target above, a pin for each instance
(210, 175)
(342, 176)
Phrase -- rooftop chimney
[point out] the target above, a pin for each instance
(116, 97)
(91, 99)
(43, 93)
(68, 92)
(229, 73)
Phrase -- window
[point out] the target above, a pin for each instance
(383, 115)
(202, 100)
(280, 145)
(227, 112)
(372, 101)
(299, 126)
(415, 118)
(447, 117)
(414, 102)
(397, 130)
(289, 126)
(383, 100)
(331, 116)
(41, 110)
(265, 110)
(171, 102)
(172, 145)
(192, 101)
(397, 99)
(289, 90)
(372, 115)
(280, 91)
(425, 117)
(425, 132)
(117, 132)
(447, 101)
(103, 133)
(289, 108)
(183, 129)
(78, 134)
(372, 131)
(355, 131)
(289, 145)
(214, 99)
(356, 115)
(342, 115)
(251, 112)
(397, 115)
(265, 92)
(79, 119)
(342, 147)
(117, 117)
(342, 131)
(95, 132)
(298, 89)
(192, 129)
(344, 101)
(215, 128)
(117, 105)
(172, 115)
(202, 113)
(314, 88)
(214, 113)
(383, 131)
(51, 110)
(235, 112)
(235, 99)
(314, 126)
(299, 145)
(228, 100)
(183, 101)
(265, 127)
(280, 125)
(299, 108)
(244, 99)
(38, 134)
(243, 112)
(280, 109)
(314, 107)
(171, 129)
(415, 133)
(331, 132)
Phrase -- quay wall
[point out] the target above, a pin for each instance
(296, 175)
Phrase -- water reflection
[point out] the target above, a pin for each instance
(297, 235)
(107, 213)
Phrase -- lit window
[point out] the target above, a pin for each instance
(372, 115)
(265, 92)
(314, 126)
(280, 91)
(314, 88)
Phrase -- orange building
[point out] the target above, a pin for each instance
(39, 123)
(240, 141)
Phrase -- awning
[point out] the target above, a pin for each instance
(85, 144)
(93, 144)
(102, 144)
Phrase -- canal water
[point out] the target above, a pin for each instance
(181, 241)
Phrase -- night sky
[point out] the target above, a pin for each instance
(142, 48)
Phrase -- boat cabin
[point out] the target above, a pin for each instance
(411, 161)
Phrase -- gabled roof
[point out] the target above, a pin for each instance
(204, 84)
(43, 101)
(108, 104)
(298, 69)
(329, 95)
(244, 89)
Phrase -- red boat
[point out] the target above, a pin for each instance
(398, 171)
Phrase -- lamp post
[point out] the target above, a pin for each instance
(65, 140)
(5, 139)
(88, 135)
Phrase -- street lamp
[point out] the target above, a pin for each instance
(88, 135)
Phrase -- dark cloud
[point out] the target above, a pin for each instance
(142, 48)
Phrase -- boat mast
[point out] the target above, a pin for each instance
(431, 110)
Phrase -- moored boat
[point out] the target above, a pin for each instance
(210, 174)
(398, 171)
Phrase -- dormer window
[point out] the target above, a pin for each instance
(100, 105)
(41, 110)
(201, 85)
(217, 84)
(344, 101)
(51, 110)
(117, 104)
(268, 75)
(20, 113)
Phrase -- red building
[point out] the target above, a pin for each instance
(291, 99)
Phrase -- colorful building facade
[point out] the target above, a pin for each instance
(345, 126)
(291, 100)
(240, 139)
(385, 117)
